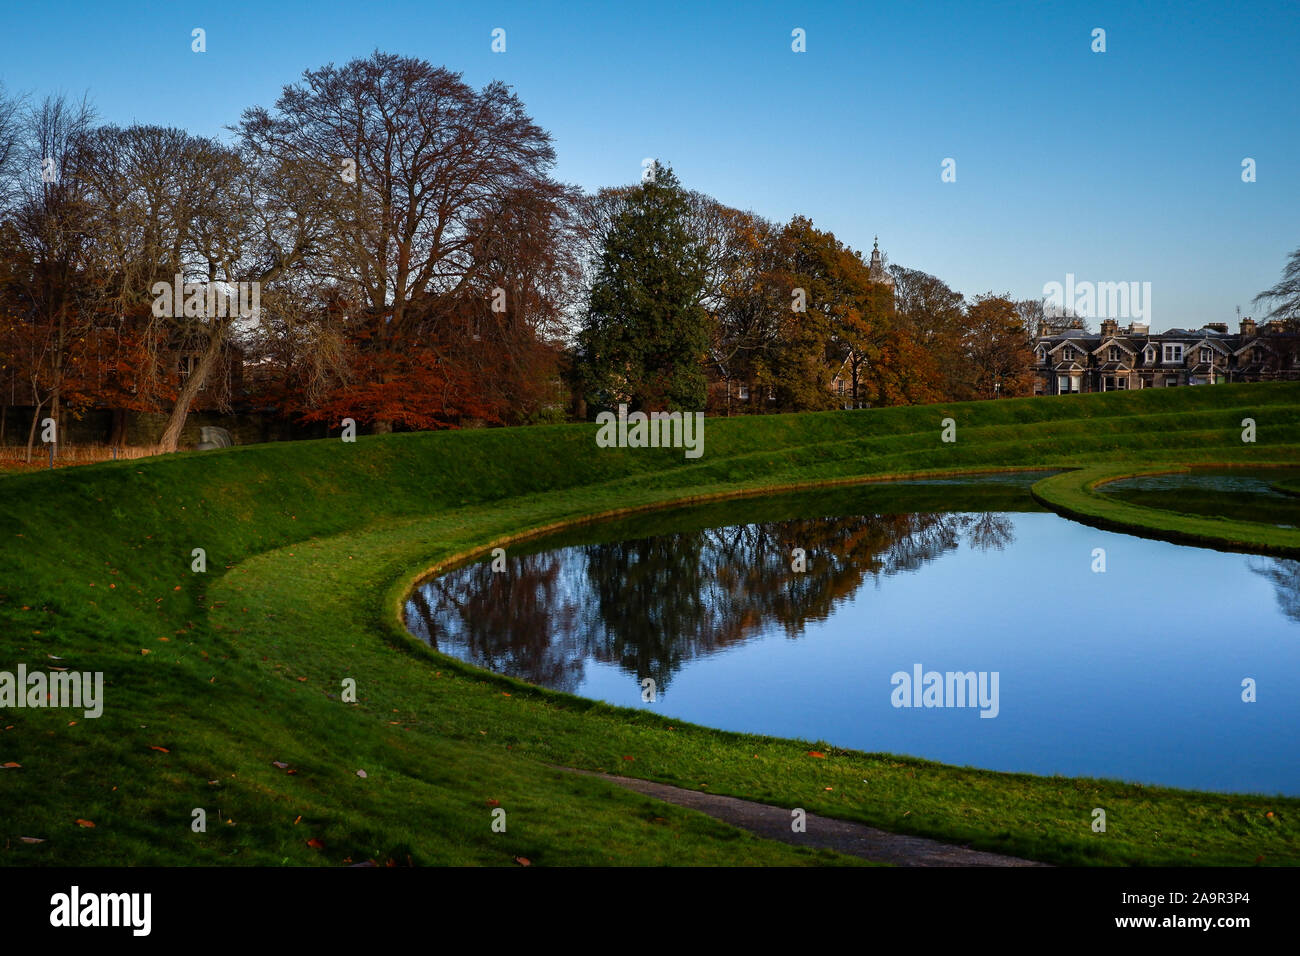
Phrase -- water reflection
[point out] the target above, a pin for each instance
(1285, 577)
(651, 605)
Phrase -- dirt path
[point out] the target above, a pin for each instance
(855, 839)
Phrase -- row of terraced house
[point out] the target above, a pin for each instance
(1074, 360)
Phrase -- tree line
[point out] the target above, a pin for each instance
(418, 266)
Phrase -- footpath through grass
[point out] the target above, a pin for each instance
(215, 680)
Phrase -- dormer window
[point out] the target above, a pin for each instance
(1042, 355)
(1114, 353)
(1067, 354)
(1259, 356)
(1207, 355)
(1173, 353)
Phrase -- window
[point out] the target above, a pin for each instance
(1259, 356)
(1108, 383)
(1062, 384)
(1207, 355)
(1114, 353)
(1042, 355)
(1121, 382)
(1150, 354)
(1171, 381)
(1067, 354)
(742, 391)
(1173, 353)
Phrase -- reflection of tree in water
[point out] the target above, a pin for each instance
(520, 621)
(1285, 575)
(650, 605)
(989, 531)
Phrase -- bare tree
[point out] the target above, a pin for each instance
(1284, 296)
(221, 222)
(51, 220)
(416, 166)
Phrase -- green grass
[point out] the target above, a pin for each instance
(1073, 493)
(1288, 486)
(312, 546)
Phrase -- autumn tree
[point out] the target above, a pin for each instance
(419, 170)
(998, 354)
(746, 296)
(932, 315)
(51, 227)
(802, 362)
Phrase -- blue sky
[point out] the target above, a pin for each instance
(1115, 166)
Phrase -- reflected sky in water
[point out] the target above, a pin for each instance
(1133, 673)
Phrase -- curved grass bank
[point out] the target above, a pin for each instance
(1288, 487)
(213, 678)
(1074, 494)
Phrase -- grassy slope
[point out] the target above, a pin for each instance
(310, 547)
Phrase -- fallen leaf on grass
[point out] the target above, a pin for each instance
(280, 763)
(9, 765)
(494, 803)
(361, 774)
(31, 839)
(85, 823)
(816, 753)
(315, 844)
(163, 749)
(523, 861)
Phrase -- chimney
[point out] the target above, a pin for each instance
(1248, 328)
(1076, 324)
(1220, 327)
(1109, 327)
(1139, 328)
(1042, 328)
(1273, 327)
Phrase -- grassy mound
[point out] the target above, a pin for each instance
(214, 679)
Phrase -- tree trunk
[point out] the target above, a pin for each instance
(117, 434)
(171, 436)
(31, 432)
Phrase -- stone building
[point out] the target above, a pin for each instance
(1116, 359)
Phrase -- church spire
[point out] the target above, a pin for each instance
(877, 271)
